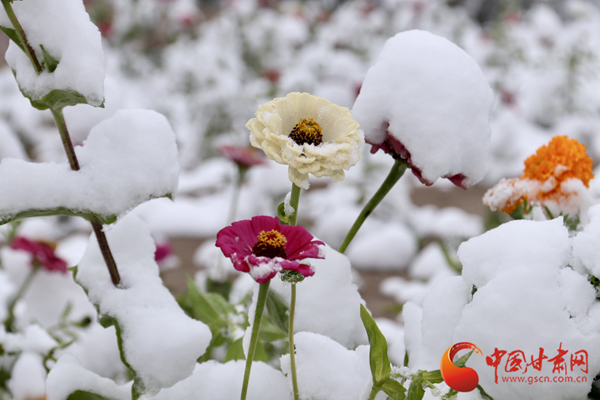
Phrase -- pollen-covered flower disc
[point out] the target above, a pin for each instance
(309, 134)
(262, 247)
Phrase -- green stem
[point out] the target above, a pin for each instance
(291, 339)
(374, 392)
(66, 138)
(59, 118)
(395, 174)
(236, 194)
(106, 254)
(260, 306)
(294, 201)
(11, 307)
(22, 37)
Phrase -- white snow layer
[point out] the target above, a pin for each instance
(527, 298)
(437, 103)
(125, 161)
(160, 342)
(64, 28)
(28, 377)
(327, 370)
(585, 245)
(328, 302)
(215, 381)
(68, 376)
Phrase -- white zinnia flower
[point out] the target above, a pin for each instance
(308, 133)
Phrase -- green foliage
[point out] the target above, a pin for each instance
(594, 393)
(12, 35)
(90, 216)
(393, 389)
(50, 63)
(236, 351)
(63, 211)
(378, 358)
(216, 312)
(283, 217)
(379, 361)
(83, 395)
(58, 99)
(138, 387)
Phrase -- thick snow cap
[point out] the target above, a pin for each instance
(427, 101)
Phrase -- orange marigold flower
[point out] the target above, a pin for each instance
(561, 159)
(542, 181)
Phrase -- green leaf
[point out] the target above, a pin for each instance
(203, 308)
(415, 390)
(394, 389)
(483, 393)
(90, 216)
(283, 217)
(277, 312)
(270, 332)
(83, 395)
(259, 353)
(378, 358)
(462, 361)
(12, 35)
(50, 63)
(58, 99)
(433, 376)
(235, 351)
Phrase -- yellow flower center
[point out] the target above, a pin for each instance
(561, 159)
(307, 131)
(270, 244)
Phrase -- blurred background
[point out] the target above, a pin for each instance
(207, 65)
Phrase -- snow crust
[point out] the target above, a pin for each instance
(126, 160)
(327, 303)
(28, 378)
(64, 28)
(160, 342)
(436, 101)
(527, 297)
(389, 248)
(585, 245)
(215, 381)
(68, 376)
(327, 370)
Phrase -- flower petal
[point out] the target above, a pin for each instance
(263, 269)
(299, 243)
(304, 269)
(236, 241)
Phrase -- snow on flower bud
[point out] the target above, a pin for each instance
(427, 101)
(262, 247)
(308, 133)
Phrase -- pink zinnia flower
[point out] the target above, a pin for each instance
(243, 156)
(163, 251)
(42, 253)
(262, 247)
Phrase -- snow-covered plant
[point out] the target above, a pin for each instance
(555, 181)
